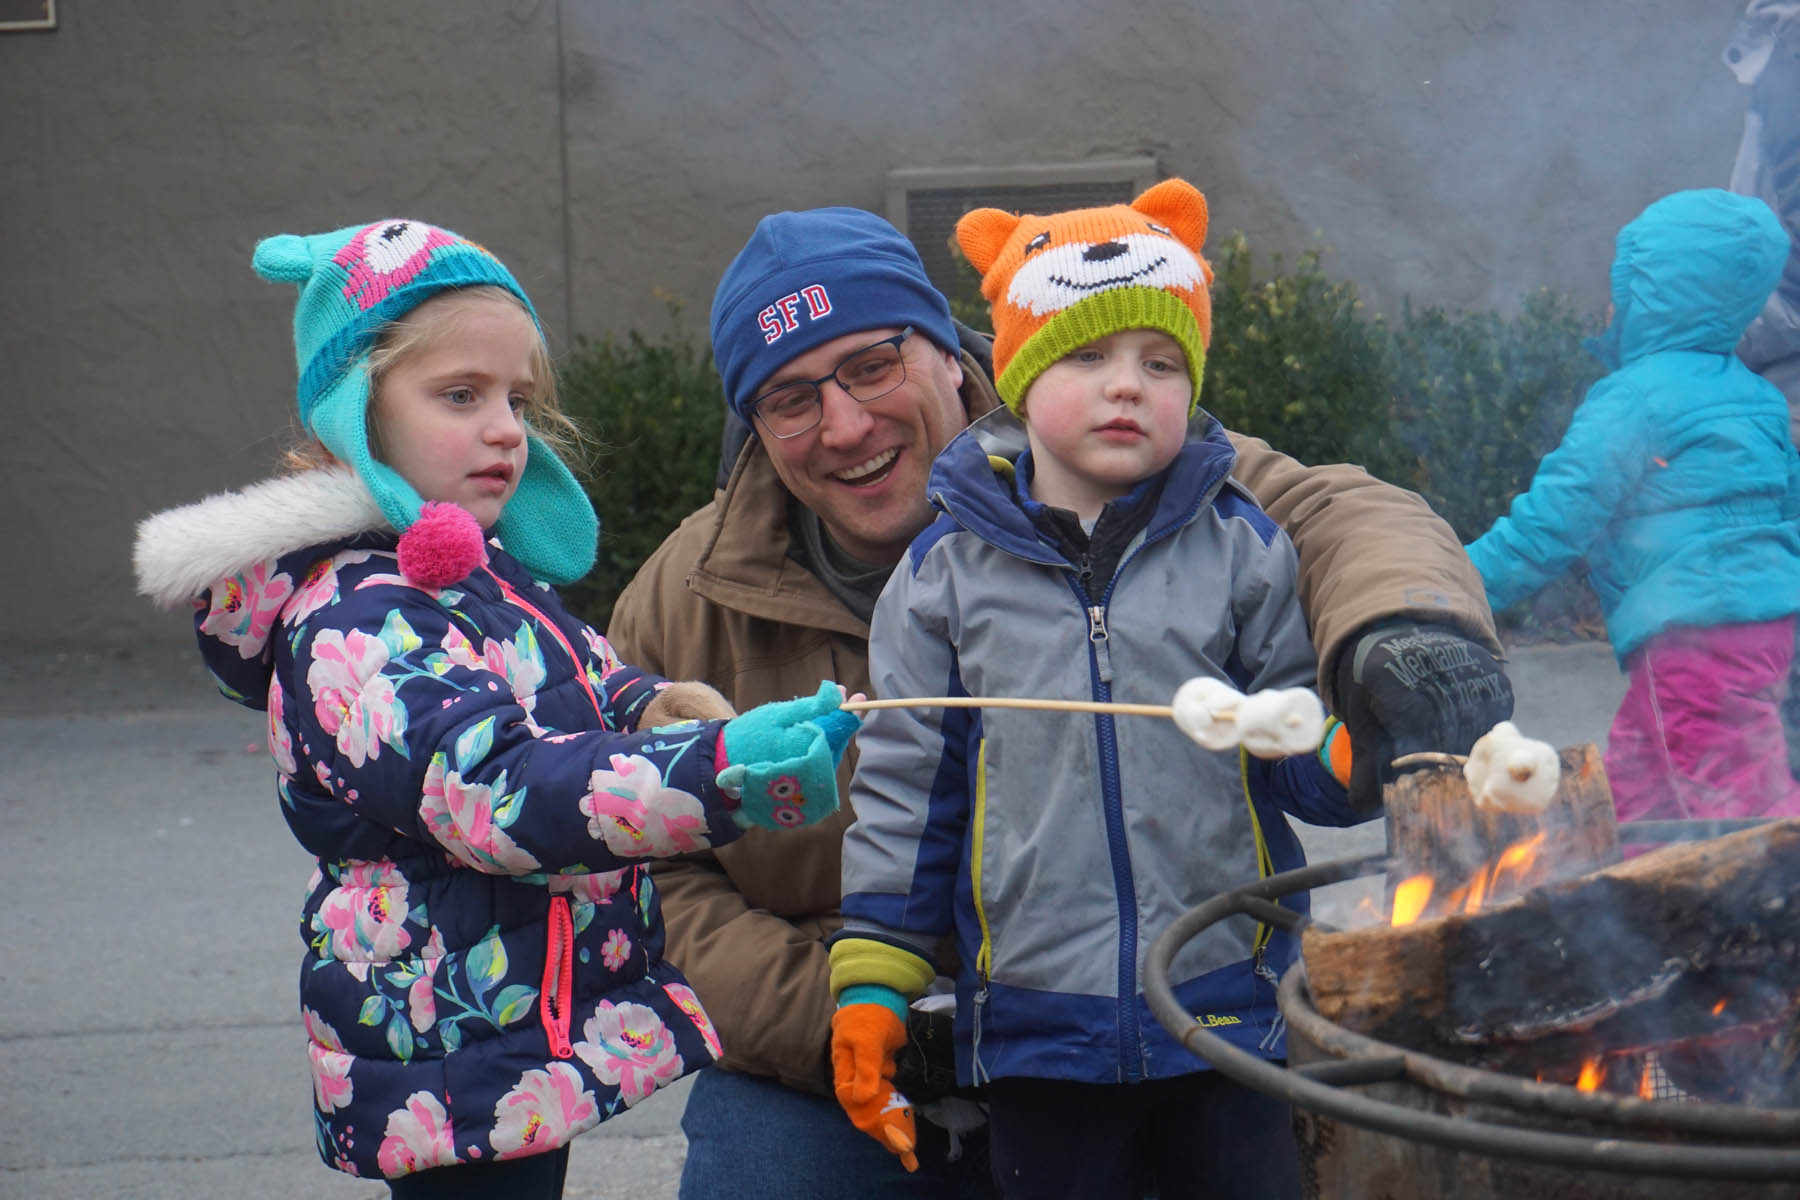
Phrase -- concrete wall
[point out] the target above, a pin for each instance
(616, 154)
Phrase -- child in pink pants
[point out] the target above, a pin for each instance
(1698, 733)
(1677, 483)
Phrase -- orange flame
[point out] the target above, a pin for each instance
(1518, 858)
(1719, 1007)
(1478, 887)
(1410, 898)
(1646, 1089)
(1486, 885)
(1593, 1073)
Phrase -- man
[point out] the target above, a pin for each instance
(769, 588)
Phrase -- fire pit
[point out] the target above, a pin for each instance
(1375, 1118)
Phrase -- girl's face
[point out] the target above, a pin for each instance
(449, 414)
(1106, 416)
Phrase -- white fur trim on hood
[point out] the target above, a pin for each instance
(183, 551)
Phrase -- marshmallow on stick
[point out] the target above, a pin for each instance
(1269, 724)
(1510, 772)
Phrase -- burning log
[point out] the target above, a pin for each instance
(1450, 854)
(1687, 944)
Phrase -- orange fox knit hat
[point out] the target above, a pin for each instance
(1058, 282)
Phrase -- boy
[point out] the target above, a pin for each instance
(1090, 547)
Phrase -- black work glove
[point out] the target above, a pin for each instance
(1407, 686)
(925, 1067)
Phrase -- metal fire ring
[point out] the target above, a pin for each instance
(1319, 1087)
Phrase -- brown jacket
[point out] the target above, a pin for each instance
(721, 601)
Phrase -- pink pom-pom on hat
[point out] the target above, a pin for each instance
(442, 546)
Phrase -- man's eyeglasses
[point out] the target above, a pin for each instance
(790, 409)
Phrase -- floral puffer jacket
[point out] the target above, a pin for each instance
(483, 976)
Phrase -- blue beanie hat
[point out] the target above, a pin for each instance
(353, 282)
(805, 278)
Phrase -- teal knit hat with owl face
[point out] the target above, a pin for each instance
(353, 282)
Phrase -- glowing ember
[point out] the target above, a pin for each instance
(1410, 898)
(1719, 1007)
(1593, 1074)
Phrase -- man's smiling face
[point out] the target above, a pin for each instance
(863, 468)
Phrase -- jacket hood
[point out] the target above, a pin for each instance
(182, 552)
(971, 481)
(1691, 273)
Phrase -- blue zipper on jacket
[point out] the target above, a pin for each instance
(1112, 792)
(1112, 806)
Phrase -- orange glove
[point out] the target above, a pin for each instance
(864, 1037)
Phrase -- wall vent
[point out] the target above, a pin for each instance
(926, 202)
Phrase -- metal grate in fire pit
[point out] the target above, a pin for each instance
(1427, 1127)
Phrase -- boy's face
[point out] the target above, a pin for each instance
(1106, 416)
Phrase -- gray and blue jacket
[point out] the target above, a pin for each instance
(1056, 846)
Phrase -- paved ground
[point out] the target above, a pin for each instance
(148, 896)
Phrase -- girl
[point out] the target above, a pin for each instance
(1677, 482)
(478, 774)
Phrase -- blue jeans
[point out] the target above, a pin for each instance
(753, 1139)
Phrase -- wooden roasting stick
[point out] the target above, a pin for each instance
(1097, 706)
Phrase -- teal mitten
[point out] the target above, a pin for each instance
(780, 760)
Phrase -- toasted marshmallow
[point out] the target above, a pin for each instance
(1206, 710)
(1269, 724)
(1280, 721)
(1510, 772)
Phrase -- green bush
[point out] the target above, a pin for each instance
(1292, 360)
(1476, 400)
(655, 412)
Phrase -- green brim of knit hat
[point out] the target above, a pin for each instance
(549, 525)
(1098, 316)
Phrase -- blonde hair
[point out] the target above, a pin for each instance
(421, 326)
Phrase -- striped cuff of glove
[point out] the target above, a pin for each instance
(1334, 750)
(861, 960)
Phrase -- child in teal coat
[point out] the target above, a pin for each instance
(1678, 483)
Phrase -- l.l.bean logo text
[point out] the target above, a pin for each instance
(783, 316)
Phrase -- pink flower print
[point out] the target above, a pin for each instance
(421, 999)
(459, 651)
(418, 1137)
(518, 662)
(600, 652)
(366, 914)
(543, 1110)
(689, 1003)
(385, 256)
(330, 1065)
(628, 1047)
(461, 817)
(597, 888)
(281, 743)
(637, 816)
(616, 950)
(352, 699)
(319, 586)
(244, 608)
